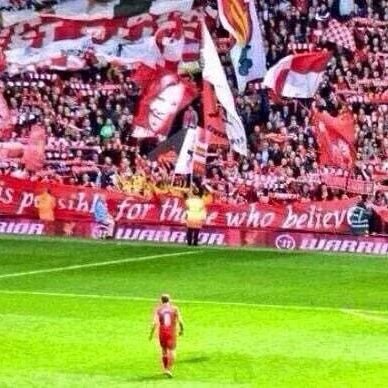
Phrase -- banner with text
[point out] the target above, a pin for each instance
(76, 203)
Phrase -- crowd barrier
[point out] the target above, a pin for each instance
(210, 236)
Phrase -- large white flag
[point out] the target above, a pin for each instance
(193, 153)
(184, 164)
(248, 54)
(214, 73)
(168, 41)
(114, 50)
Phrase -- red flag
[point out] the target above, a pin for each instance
(164, 95)
(34, 155)
(336, 138)
(5, 119)
(213, 123)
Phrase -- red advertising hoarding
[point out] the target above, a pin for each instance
(210, 236)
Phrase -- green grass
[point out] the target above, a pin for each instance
(253, 317)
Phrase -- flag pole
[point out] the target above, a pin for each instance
(173, 179)
(191, 181)
(302, 105)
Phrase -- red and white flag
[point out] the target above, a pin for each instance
(56, 53)
(214, 73)
(298, 75)
(340, 35)
(336, 138)
(125, 41)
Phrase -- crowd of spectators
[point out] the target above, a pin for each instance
(19, 5)
(88, 117)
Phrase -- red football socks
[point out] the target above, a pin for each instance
(165, 362)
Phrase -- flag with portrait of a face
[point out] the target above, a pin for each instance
(163, 95)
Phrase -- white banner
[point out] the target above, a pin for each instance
(184, 164)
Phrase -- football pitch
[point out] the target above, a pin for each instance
(77, 314)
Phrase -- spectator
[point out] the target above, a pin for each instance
(360, 217)
(45, 204)
(103, 218)
(190, 118)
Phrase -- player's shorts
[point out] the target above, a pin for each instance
(167, 341)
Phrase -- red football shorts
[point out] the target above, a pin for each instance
(167, 341)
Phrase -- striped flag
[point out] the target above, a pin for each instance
(124, 41)
(239, 18)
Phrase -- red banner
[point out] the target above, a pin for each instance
(75, 203)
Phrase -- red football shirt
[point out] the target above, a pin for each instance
(167, 318)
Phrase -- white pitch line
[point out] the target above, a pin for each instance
(365, 315)
(197, 302)
(97, 264)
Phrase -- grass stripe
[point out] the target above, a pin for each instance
(204, 248)
(198, 302)
(97, 264)
(368, 315)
